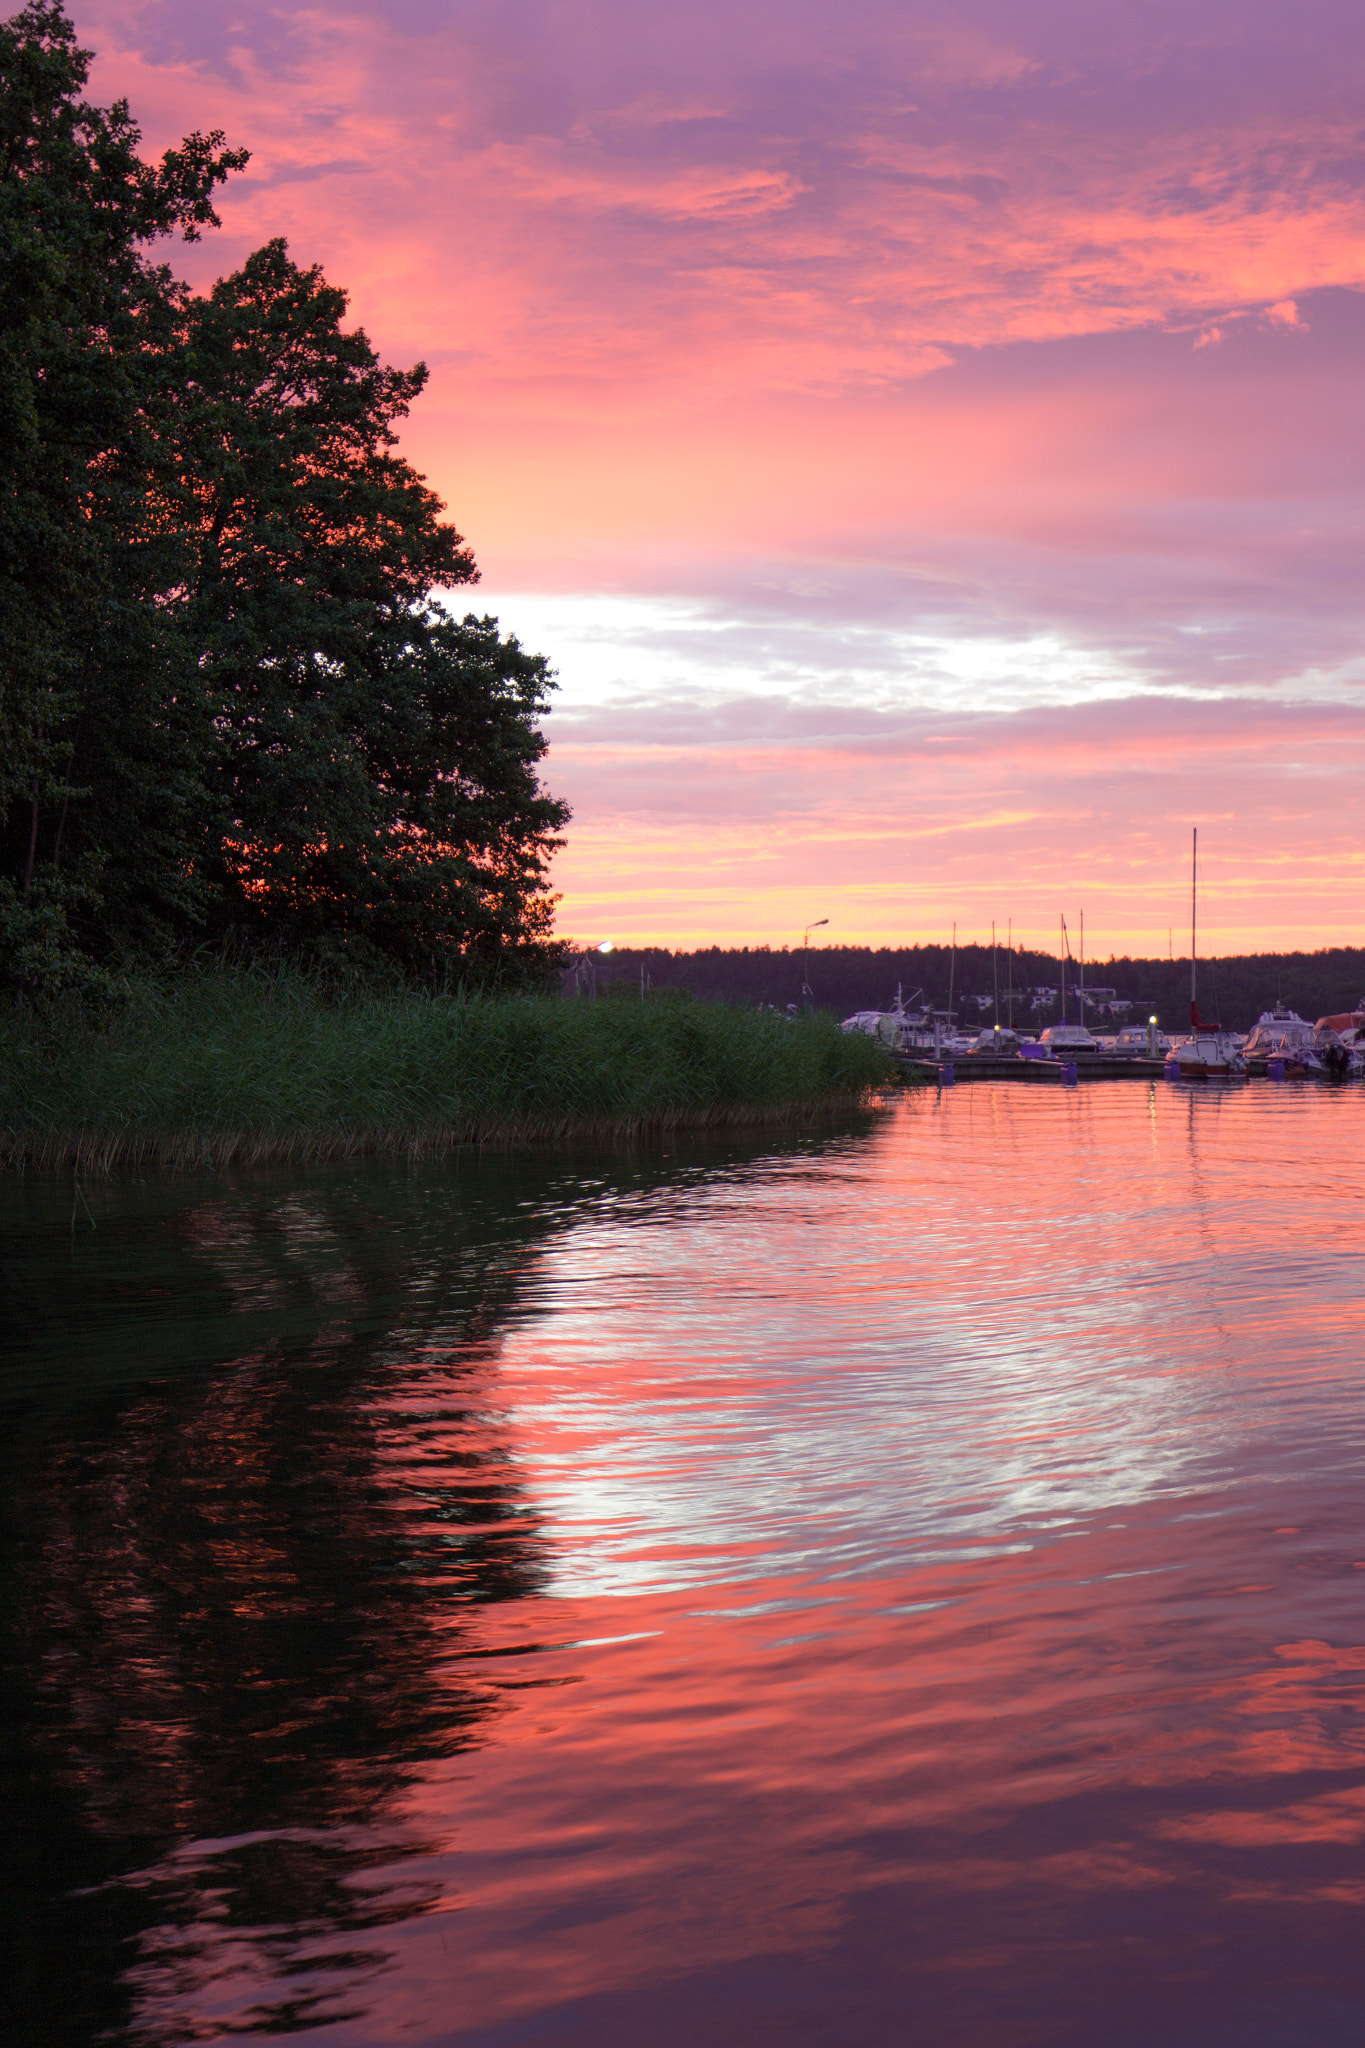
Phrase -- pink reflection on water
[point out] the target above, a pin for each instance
(948, 1626)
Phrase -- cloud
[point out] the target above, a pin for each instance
(840, 197)
(903, 825)
(803, 376)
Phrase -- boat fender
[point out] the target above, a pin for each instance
(946, 1075)
(1068, 1070)
(1274, 1070)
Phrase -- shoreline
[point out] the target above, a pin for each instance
(98, 1153)
(227, 1068)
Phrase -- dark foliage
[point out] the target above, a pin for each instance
(228, 702)
(848, 978)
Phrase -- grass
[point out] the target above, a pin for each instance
(228, 1068)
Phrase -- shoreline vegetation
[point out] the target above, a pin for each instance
(235, 1068)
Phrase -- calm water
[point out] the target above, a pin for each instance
(904, 1584)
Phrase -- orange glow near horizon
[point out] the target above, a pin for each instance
(929, 449)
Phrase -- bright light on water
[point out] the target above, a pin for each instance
(754, 1594)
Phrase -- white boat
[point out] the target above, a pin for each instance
(997, 1040)
(1279, 1034)
(1143, 1041)
(1062, 1040)
(926, 1033)
(1337, 1058)
(1349, 1025)
(1332, 1049)
(866, 1021)
(1341, 1041)
(1209, 1053)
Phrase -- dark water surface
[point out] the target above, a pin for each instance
(901, 1584)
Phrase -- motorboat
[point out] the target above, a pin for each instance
(1208, 1054)
(1349, 1025)
(920, 1033)
(1331, 1049)
(1279, 1034)
(1064, 1041)
(1142, 1041)
(1338, 1058)
(997, 1042)
(1340, 1039)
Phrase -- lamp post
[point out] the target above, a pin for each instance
(587, 958)
(807, 999)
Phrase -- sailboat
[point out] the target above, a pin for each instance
(1210, 1054)
(1064, 1041)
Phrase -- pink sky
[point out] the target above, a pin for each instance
(927, 440)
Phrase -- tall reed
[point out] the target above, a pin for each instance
(227, 1066)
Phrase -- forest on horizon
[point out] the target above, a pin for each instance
(1237, 987)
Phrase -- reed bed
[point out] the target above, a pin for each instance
(227, 1069)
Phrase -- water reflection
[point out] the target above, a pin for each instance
(237, 1585)
(906, 1575)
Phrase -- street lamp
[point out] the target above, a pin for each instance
(807, 999)
(587, 958)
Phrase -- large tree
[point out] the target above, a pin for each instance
(376, 760)
(229, 701)
(96, 749)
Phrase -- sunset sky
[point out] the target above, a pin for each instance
(926, 439)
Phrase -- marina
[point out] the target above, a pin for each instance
(1283, 1046)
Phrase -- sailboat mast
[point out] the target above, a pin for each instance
(1009, 948)
(1080, 1000)
(1062, 968)
(1194, 916)
(995, 975)
(952, 975)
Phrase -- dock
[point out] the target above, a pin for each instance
(973, 1066)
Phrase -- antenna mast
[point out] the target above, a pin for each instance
(1194, 914)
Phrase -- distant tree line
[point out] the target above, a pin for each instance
(849, 978)
(231, 711)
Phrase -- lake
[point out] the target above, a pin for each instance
(898, 1581)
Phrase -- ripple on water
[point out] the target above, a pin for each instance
(902, 1583)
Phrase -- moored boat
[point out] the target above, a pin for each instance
(996, 1041)
(905, 1030)
(1280, 1034)
(1064, 1041)
(1289, 1046)
(1209, 1053)
(1340, 1039)
(1141, 1041)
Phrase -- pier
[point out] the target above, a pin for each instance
(972, 1066)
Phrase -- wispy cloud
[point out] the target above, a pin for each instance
(807, 377)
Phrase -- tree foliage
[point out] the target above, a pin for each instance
(229, 701)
